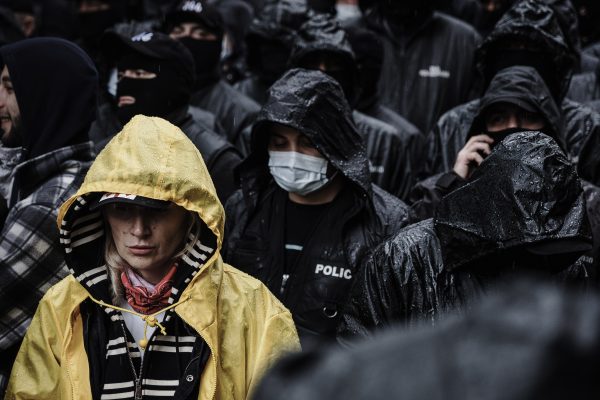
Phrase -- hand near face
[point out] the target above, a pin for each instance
(472, 155)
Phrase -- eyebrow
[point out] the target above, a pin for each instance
(6, 79)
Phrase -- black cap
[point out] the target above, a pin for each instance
(152, 44)
(195, 11)
(521, 103)
(108, 198)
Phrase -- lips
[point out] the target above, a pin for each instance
(140, 250)
(125, 101)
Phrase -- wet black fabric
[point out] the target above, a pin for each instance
(234, 111)
(388, 146)
(525, 195)
(536, 24)
(314, 104)
(220, 156)
(428, 70)
(270, 39)
(515, 84)
(528, 21)
(56, 85)
(529, 341)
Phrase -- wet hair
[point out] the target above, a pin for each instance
(115, 264)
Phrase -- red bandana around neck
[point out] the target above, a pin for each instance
(140, 294)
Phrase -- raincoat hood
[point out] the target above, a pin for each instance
(526, 192)
(520, 84)
(314, 104)
(531, 21)
(55, 83)
(276, 29)
(322, 33)
(152, 158)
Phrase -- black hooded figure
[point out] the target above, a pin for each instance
(262, 220)
(55, 84)
(234, 111)
(269, 43)
(518, 85)
(428, 64)
(167, 95)
(323, 45)
(521, 213)
(528, 34)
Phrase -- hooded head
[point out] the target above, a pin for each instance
(529, 34)
(525, 197)
(155, 160)
(199, 26)
(55, 84)
(524, 88)
(168, 78)
(323, 45)
(312, 103)
(271, 37)
(368, 48)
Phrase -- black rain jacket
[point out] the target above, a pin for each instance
(515, 83)
(427, 72)
(234, 111)
(525, 193)
(312, 103)
(531, 20)
(269, 44)
(389, 150)
(220, 156)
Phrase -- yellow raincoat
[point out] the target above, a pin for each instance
(244, 325)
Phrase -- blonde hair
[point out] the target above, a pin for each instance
(115, 264)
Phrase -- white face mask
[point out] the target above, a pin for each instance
(298, 173)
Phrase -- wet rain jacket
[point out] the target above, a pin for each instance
(234, 111)
(220, 156)
(243, 325)
(312, 103)
(525, 193)
(388, 149)
(521, 83)
(533, 21)
(429, 71)
(269, 43)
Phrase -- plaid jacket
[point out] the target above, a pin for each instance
(31, 258)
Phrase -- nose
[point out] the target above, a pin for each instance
(513, 122)
(140, 225)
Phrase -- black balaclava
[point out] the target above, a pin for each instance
(56, 85)
(158, 97)
(268, 59)
(206, 53)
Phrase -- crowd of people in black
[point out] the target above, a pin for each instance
(299, 199)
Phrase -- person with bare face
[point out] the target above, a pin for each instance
(47, 103)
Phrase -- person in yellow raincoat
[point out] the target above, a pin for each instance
(149, 311)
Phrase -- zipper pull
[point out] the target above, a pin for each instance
(138, 389)
(284, 280)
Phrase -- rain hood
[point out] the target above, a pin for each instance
(314, 104)
(525, 192)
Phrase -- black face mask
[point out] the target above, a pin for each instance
(207, 54)
(543, 63)
(158, 97)
(499, 136)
